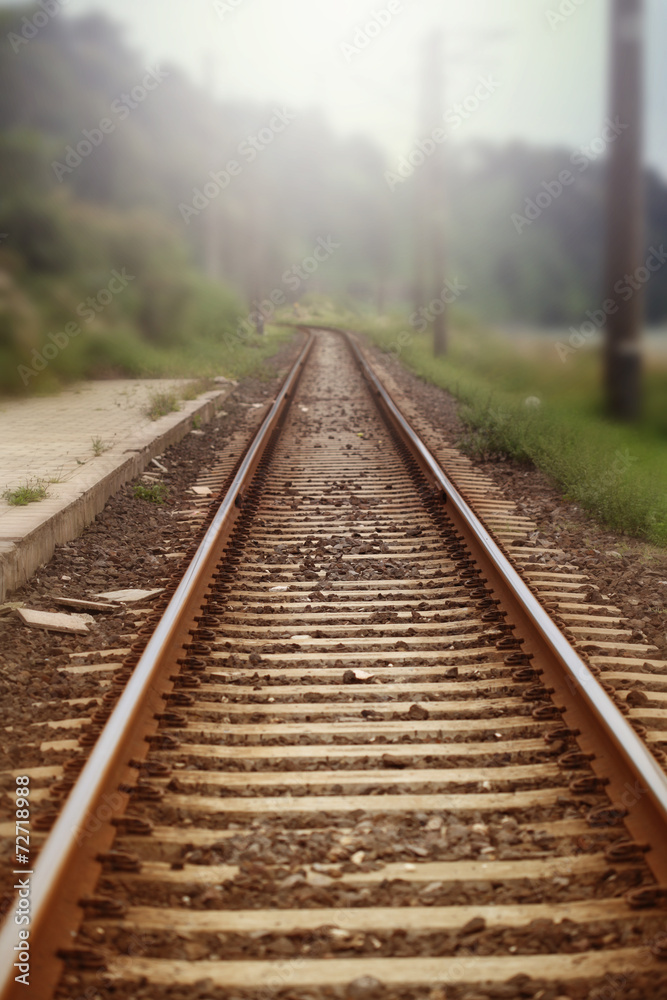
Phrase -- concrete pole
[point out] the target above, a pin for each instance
(625, 214)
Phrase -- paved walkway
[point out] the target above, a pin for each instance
(53, 441)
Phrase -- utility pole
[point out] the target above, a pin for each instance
(211, 220)
(625, 213)
(420, 257)
(256, 232)
(433, 223)
(430, 205)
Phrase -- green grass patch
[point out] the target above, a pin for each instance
(616, 471)
(30, 492)
(207, 335)
(160, 403)
(251, 355)
(99, 446)
(323, 311)
(194, 389)
(200, 359)
(156, 493)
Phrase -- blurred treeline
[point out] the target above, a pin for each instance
(62, 240)
(195, 281)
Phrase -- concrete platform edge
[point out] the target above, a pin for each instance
(21, 558)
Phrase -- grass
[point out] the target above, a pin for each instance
(235, 358)
(200, 359)
(616, 471)
(196, 421)
(156, 493)
(119, 352)
(197, 387)
(99, 446)
(160, 403)
(29, 492)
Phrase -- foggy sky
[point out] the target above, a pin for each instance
(360, 61)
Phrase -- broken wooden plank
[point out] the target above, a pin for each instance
(129, 595)
(6, 609)
(77, 602)
(55, 621)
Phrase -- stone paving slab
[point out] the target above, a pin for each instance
(50, 440)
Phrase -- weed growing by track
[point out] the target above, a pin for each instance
(201, 360)
(196, 388)
(99, 446)
(161, 403)
(30, 492)
(156, 493)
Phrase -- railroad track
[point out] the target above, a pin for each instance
(355, 758)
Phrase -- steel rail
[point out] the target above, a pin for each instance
(587, 704)
(67, 867)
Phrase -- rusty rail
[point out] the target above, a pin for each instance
(588, 708)
(67, 867)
